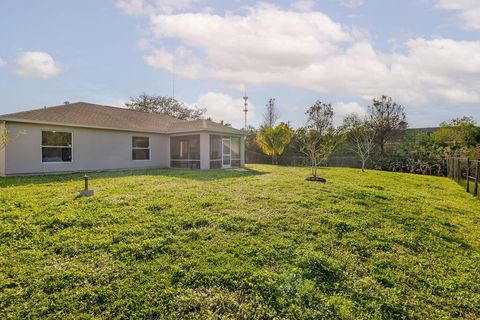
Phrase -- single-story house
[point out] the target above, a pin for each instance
(89, 137)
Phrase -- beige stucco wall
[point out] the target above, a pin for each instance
(93, 149)
(242, 152)
(2, 153)
(204, 150)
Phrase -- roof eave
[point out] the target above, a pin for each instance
(227, 131)
(64, 124)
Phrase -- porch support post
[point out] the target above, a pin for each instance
(204, 150)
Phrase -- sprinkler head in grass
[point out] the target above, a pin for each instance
(86, 192)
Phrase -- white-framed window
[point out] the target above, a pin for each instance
(56, 146)
(140, 148)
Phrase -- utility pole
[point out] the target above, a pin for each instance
(245, 98)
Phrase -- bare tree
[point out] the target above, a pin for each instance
(5, 139)
(165, 105)
(361, 136)
(318, 138)
(387, 119)
(271, 115)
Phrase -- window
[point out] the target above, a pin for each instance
(140, 148)
(185, 152)
(56, 146)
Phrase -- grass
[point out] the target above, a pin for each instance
(256, 243)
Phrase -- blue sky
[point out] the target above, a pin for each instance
(425, 54)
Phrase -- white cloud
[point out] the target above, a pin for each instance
(270, 45)
(224, 107)
(341, 109)
(259, 47)
(2, 62)
(467, 11)
(437, 71)
(132, 7)
(142, 7)
(304, 5)
(36, 64)
(352, 3)
(118, 103)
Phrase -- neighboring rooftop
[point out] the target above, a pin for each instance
(82, 114)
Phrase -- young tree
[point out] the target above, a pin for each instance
(387, 119)
(273, 141)
(360, 135)
(271, 115)
(165, 105)
(318, 138)
(3, 138)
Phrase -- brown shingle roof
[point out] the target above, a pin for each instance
(84, 114)
(201, 124)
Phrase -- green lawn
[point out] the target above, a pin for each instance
(256, 243)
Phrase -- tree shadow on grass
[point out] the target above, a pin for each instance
(198, 175)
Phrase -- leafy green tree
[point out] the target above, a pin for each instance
(318, 138)
(387, 119)
(273, 141)
(361, 136)
(165, 105)
(421, 153)
(458, 133)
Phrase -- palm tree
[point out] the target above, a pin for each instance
(273, 141)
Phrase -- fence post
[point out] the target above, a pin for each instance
(455, 169)
(450, 168)
(468, 175)
(459, 170)
(477, 177)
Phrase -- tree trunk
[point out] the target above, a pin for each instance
(363, 165)
(274, 158)
(382, 147)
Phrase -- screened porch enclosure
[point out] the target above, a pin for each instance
(185, 151)
(205, 151)
(224, 152)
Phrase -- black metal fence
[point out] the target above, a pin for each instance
(465, 171)
(289, 160)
